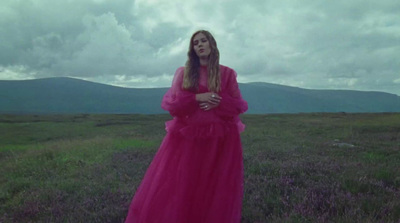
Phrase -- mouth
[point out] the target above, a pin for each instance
(201, 50)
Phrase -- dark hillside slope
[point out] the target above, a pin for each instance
(68, 95)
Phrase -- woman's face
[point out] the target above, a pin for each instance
(201, 45)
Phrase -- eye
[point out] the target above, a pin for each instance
(203, 40)
(195, 42)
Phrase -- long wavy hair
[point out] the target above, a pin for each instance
(192, 66)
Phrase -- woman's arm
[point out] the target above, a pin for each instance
(177, 101)
(232, 103)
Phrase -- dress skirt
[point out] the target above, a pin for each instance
(195, 177)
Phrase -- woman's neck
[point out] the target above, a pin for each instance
(203, 61)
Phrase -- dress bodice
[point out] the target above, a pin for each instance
(186, 111)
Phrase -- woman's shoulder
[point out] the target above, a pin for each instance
(227, 72)
(179, 72)
(226, 69)
(180, 69)
(178, 77)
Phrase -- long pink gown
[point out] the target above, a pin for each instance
(197, 174)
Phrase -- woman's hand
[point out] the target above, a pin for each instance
(209, 97)
(206, 106)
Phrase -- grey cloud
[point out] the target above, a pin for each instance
(307, 43)
(91, 41)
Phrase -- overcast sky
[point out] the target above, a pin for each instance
(337, 44)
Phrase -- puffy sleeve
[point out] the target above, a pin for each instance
(232, 103)
(177, 101)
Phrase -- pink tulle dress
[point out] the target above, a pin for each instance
(197, 174)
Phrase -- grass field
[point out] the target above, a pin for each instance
(298, 168)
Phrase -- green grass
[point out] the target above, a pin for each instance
(298, 168)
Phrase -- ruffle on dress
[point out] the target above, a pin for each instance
(207, 130)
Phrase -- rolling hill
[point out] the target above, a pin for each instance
(69, 95)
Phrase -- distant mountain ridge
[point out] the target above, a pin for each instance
(69, 95)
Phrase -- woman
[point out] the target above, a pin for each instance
(197, 174)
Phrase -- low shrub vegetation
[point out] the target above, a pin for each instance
(327, 167)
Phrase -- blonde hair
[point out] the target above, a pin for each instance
(191, 74)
